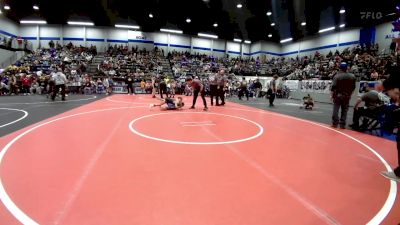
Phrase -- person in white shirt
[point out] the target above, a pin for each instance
(60, 80)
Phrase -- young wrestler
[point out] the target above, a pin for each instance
(169, 104)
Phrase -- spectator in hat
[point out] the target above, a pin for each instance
(343, 86)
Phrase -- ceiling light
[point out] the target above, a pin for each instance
(172, 31)
(237, 40)
(127, 26)
(269, 13)
(188, 20)
(269, 35)
(151, 15)
(215, 24)
(7, 7)
(247, 42)
(35, 7)
(342, 11)
(342, 25)
(286, 40)
(207, 35)
(80, 23)
(239, 5)
(272, 24)
(33, 22)
(326, 29)
(303, 24)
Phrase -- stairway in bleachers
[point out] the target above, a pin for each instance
(97, 60)
(166, 66)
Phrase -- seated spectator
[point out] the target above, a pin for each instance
(371, 108)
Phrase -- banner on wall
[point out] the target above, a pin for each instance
(120, 89)
(316, 86)
(293, 85)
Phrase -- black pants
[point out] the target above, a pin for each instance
(130, 89)
(55, 91)
(341, 103)
(243, 91)
(163, 90)
(397, 170)
(221, 94)
(214, 93)
(359, 112)
(271, 99)
(26, 89)
(13, 89)
(203, 96)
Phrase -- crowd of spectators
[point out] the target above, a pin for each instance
(32, 73)
(121, 64)
(364, 62)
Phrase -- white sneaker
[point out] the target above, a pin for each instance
(151, 106)
(391, 176)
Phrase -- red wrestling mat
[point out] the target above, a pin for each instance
(115, 161)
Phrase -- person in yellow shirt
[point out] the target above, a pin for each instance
(143, 86)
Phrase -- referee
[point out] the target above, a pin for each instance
(214, 89)
(59, 80)
(222, 80)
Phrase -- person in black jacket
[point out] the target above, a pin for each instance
(343, 86)
(392, 87)
(129, 83)
(257, 88)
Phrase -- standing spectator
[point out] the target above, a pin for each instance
(392, 87)
(343, 85)
(51, 44)
(26, 84)
(59, 80)
(129, 83)
(106, 84)
(272, 90)
(143, 86)
(393, 47)
(13, 85)
(243, 89)
(163, 87)
(153, 87)
(173, 88)
(214, 89)
(257, 88)
(222, 80)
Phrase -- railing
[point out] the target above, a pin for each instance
(12, 59)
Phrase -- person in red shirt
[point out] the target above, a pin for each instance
(26, 85)
(197, 88)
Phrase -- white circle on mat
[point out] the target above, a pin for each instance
(259, 133)
(12, 122)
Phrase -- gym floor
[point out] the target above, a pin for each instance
(112, 160)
